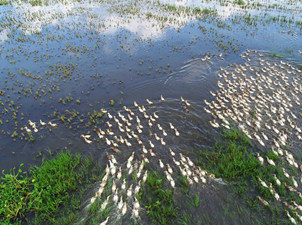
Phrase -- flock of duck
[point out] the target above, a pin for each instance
(259, 97)
(138, 129)
(33, 126)
(264, 100)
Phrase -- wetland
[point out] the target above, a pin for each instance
(150, 112)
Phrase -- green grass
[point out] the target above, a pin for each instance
(207, 11)
(239, 2)
(158, 200)
(276, 55)
(233, 159)
(3, 2)
(44, 189)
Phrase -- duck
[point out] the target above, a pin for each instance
(108, 142)
(130, 170)
(27, 129)
(129, 191)
(285, 173)
(120, 204)
(112, 168)
(168, 176)
(137, 188)
(149, 102)
(151, 119)
(171, 152)
(113, 187)
(131, 157)
(85, 139)
(123, 186)
(161, 164)
(162, 141)
(278, 182)
(105, 203)
(159, 127)
(136, 203)
(146, 160)
(145, 176)
(103, 110)
(144, 149)
(162, 98)
(32, 124)
(292, 220)
(129, 117)
(264, 202)
(133, 134)
(52, 124)
(42, 123)
(127, 143)
(176, 162)
(270, 161)
(151, 144)
(109, 124)
(169, 169)
(124, 208)
(109, 115)
(171, 126)
(164, 133)
(100, 135)
(135, 212)
(155, 115)
(119, 173)
(187, 103)
(152, 153)
(105, 222)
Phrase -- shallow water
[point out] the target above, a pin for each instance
(55, 54)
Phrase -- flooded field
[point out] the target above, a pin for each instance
(190, 110)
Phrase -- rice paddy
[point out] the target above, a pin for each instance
(150, 112)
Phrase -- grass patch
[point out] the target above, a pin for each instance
(239, 2)
(38, 195)
(233, 159)
(158, 201)
(3, 2)
(276, 55)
